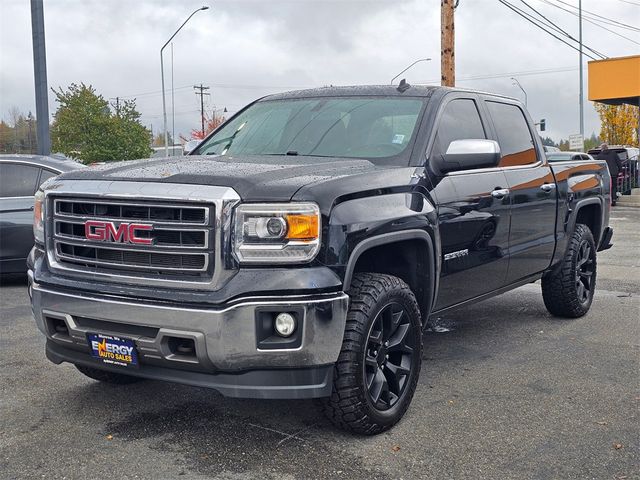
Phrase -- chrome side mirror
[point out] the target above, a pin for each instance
(469, 154)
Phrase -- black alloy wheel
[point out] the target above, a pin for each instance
(377, 371)
(568, 289)
(585, 268)
(388, 356)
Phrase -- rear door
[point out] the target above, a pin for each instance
(473, 220)
(18, 182)
(532, 190)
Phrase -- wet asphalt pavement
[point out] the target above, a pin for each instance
(509, 392)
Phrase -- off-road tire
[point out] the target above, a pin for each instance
(560, 289)
(107, 376)
(350, 406)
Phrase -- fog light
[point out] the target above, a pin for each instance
(285, 324)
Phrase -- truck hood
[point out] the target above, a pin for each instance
(253, 177)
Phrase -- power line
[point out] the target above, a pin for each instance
(630, 2)
(154, 92)
(601, 18)
(591, 22)
(225, 85)
(560, 30)
(472, 78)
(519, 74)
(530, 19)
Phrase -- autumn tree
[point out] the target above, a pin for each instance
(86, 128)
(211, 122)
(619, 124)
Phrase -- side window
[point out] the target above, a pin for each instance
(18, 180)
(46, 175)
(460, 120)
(516, 143)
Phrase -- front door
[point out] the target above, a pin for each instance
(473, 212)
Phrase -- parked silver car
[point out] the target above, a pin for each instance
(20, 177)
(568, 156)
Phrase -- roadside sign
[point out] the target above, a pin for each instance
(576, 142)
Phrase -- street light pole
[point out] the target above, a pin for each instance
(164, 100)
(517, 83)
(417, 61)
(40, 75)
(173, 106)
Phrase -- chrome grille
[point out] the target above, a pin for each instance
(177, 242)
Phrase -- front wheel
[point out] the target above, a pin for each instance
(378, 367)
(568, 291)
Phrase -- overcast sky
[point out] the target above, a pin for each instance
(245, 49)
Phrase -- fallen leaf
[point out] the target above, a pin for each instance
(395, 448)
(617, 446)
(109, 437)
(451, 402)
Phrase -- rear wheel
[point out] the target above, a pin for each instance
(107, 376)
(568, 292)
(377, 371)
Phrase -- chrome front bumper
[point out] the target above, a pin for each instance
(225, 339)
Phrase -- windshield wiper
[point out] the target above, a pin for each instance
(228, 139)
(232, 138)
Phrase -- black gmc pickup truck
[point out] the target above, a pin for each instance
(300, 250)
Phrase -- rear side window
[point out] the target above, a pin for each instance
(514, 136)
(18, 180)
(460, 120)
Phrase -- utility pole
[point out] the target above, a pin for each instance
(117, 106)
(581, 99)
(202, 93)
(40, 76)
(447, 43)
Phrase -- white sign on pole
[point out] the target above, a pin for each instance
(576, 142)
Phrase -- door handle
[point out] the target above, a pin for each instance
(500, 193)
(547, 187)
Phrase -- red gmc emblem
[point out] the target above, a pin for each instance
(123, 233)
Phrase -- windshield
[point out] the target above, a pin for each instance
(350, 127)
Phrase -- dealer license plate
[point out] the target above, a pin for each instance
(113, 350)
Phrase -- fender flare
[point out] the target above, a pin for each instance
(394, 237)
(571, 221)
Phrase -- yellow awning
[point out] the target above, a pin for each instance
(615, 80)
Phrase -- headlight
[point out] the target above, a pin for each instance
(277, 232)
(38, 217)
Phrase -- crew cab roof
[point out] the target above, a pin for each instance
(374, 90)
